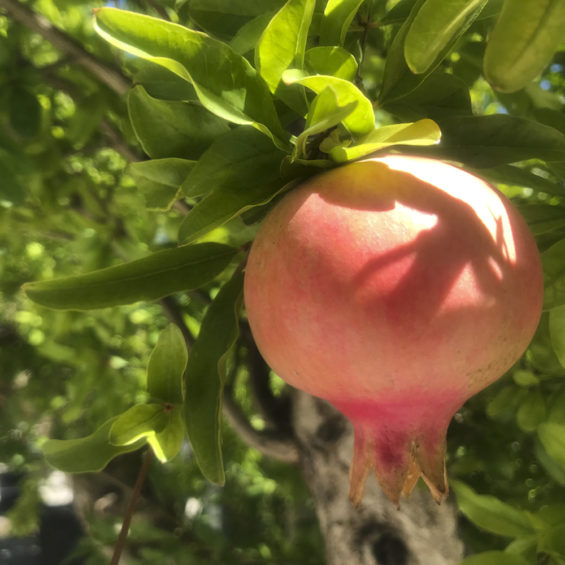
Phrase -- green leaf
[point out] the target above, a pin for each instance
(157, 275)
(160, 180)
(557, 331)
(166, 366)
(518, 176)
(224, 81)
(249, 34)
(554, 275)
(239, 171)
(331, 61)
(168, 128)
(543, 218)
(238, 159)
(532, 411)
(282, 45)
(494, 558)
(491, 514)
(88, 454)
(439, 96)
(421, 133)
(138, 422)
(523, 41)
(362, 120)
(434, 30)
(223, 18)
(162, 83)
(167, 443)
(338, 16)
(491, 140)
(205, 375)
(552, 437)
(398, 80)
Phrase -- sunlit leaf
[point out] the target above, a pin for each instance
(168, 442)
(152, 277)
(205, 376)
(224, 81)
(523, 42)
(332, 61)
(138, 422)
(435, 28)
(338, 16)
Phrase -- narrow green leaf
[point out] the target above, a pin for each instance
(523, 42)
(162, 83)
(168, 442)
(518, 176)
(543, 218)
(160, 180)
(491, 514)
(554, 275)
(557, 332)
(238, 159)
(421, 133)
(166, 366)
(137, 422)
(89, 454)
(170, 128)
(205, 376)
(338, 16)
(331, 61)
(491, 140)
(150, 278)
(282, 45)
(532, 411)
(495, 558)
(249, 34)
(362, 120)
(224, 81)
(434, 30)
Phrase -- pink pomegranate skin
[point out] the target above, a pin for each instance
(395, 288)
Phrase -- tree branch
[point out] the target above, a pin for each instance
(71, 48)
(269, 443)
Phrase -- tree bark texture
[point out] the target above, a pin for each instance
(420, 533)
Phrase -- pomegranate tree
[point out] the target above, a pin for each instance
(395, 288)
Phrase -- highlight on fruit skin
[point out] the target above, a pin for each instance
(395, 288)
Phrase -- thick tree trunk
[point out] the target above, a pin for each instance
(420, 533)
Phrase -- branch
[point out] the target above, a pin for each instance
(269, 443)
(71, 48)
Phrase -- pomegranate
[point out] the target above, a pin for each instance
(395, 288)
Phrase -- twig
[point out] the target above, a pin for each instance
(41, 25)
(131, 507)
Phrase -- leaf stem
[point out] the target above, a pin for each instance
(120, 544)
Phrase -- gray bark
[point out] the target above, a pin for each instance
(420, 533)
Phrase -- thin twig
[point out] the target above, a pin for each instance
(71, 48)
(120, 544)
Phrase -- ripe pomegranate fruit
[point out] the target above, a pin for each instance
(395, 288)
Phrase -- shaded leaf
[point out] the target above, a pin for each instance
(282, 45)
(88, 454)
(224, 81)
(495, 558)
(491, 514)
(434, 30)
(160, 180)
(168, 128)
(543, 218)
(491, 140)
(137, 422)
(557, 332)
(249, 34)
(205, 376)
(24, 112)
(338, 16)
(554, 275)
(152, 277)
(166, 366)
(552, 437)
(359, 122)
(532, 411)
(523, 42)
(423, 132)
(518, 176)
